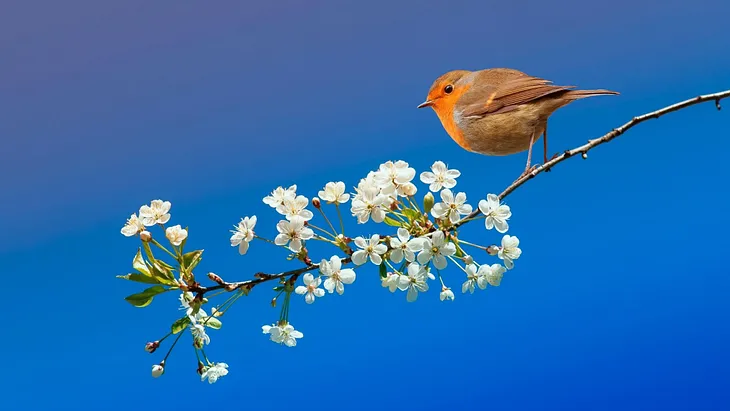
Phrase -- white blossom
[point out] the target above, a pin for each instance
(391, 281)
(440, 177)
(185, 299)
(509, 250)
(176, 234)
(243, 234)
(472, 279)
(310, 289)
(414, 282)
(158, 212)
(157, 370)
(133, 227)
(334, 192)
(368, 203)
(213, 372)
(199, 334)
(446, 294)
(369, 248)
(292, 206)
(491, 274)
(437, 249)
(293, 232)
(404, 246)
(497, 214)
(276, 198)
(391, 175)
(283, 334)
(453, 207)
(336, 276)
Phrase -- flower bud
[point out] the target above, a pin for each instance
(215, 278)
(198, 343)
(150, 347)
(316, 203)
(492, 250)
(428, 202)
(201, 368)
(158, 369)
(145, 236)
(273, 302)
(468, 260)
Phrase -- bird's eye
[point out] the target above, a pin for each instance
(448, 89)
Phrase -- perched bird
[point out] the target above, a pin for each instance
(499, 111)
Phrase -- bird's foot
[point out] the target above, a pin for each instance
(547, 170)
(528, 171)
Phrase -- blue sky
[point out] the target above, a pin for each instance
(620, 298)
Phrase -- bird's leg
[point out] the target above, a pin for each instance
(544, 143)
(528, 169)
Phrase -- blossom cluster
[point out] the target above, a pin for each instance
(420, 242)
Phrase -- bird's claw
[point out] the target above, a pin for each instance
(528, 171)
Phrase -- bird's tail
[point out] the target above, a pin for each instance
(578, 94)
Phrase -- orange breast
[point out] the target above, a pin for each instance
(444, 108)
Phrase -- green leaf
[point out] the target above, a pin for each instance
(212, 322)
(180, 324)
(459, 251)
(140, 278)
(191, 259)
(139, 264)
(148, 251)
(392, 222)
(163, 273)
(144, 298)
(412, 214)
(383, 270)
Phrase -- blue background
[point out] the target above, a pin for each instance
(620, 300)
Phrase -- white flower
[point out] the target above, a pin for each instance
(436, 248)
(293, 233)
(336, 276)
(157, 370)
(185, 299)
(446, 294)
(243, 234)
(334, 192)
(212, 373)
(414, 282)
(472, 279)
(158, 212)
(310, 288)
(391, 175)
(285, 334)
(368, 203)
(133, 227)
(404, 246)
(199, 334)
(497, 215)
(176, 234)
(369, 248)
(391, 281)
(509, 250)
(491, 274)
(451, 206)
(295, 206)
(441, 177)
(277, 196)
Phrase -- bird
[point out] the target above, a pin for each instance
(499, 111)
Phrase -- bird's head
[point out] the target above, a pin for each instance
(446, 90)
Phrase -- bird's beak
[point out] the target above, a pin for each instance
(427, 103)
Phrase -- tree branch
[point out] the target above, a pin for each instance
(583, 150)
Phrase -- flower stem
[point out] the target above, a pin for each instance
(339, 215)
(321, 211)
(471, 244)
(320, 229)
(157, 243)
(173, 346)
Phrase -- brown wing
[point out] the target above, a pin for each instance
(501, 90)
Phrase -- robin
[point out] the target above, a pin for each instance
(499, 111)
